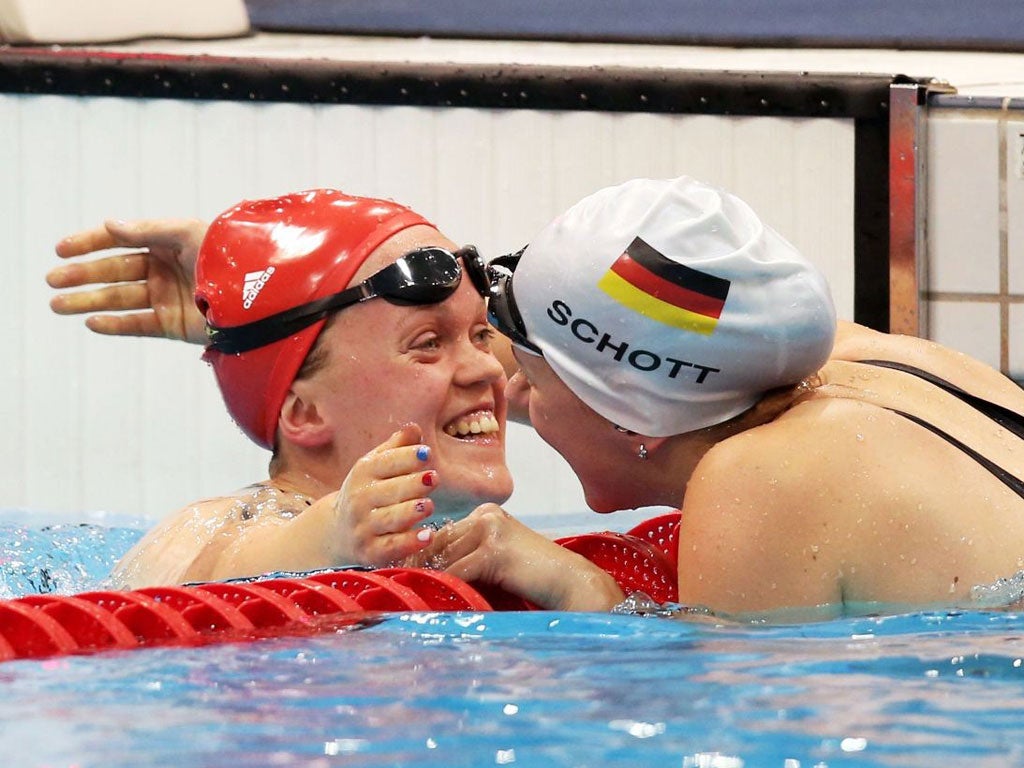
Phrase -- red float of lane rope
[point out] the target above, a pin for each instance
(91, 627)
(204, 611)
(7, 650)
(263, 607)
(30, 633)
(663, 532)
(636, 565)
(37, 626)
(313, 597)
(441, 590)
(372, 591)
(149, 619)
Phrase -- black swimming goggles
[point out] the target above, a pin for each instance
(502, 312)
(420, 277)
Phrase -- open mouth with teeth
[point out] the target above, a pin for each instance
(473, 425)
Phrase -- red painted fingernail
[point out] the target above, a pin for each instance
(428, 478)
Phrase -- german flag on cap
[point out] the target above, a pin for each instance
(664, 290)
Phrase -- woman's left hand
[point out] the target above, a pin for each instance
(492, 547)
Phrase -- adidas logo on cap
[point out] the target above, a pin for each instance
(254, 282)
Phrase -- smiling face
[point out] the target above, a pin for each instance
(388, 365)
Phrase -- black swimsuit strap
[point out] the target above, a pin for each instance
(1009, 480)
(1003, 416)
(1006, 418)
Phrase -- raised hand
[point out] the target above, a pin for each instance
(156, 276)
(382, 499)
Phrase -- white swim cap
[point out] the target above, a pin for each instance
(668, 306)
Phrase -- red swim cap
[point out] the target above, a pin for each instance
(265, 256)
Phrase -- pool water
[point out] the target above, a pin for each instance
(536, 689)
(59, 558)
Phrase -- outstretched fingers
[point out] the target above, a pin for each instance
(122, 268)
(120, 292)
(156, 276)
(88, 241)
(109, 298)
(179, 238)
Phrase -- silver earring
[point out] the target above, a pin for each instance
(642, 453)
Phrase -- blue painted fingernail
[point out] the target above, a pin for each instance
(423, 452)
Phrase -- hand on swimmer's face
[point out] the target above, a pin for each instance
(384, 496)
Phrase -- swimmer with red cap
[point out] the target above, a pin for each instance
(348, 336)
(331, 322)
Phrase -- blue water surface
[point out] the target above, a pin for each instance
(61, 558)
(536, 689)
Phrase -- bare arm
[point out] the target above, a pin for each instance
(751, 539)
(144, 291)
(372, 520)
(492, 547)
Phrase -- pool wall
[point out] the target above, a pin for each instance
(489, 151)
(973, 287)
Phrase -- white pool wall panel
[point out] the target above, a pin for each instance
(137, 427)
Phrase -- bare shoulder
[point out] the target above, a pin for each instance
(760, 503)
(782, 452)
(168, 550)
(200, 514)
(856, 342)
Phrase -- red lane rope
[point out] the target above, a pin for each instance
(37, 626)
(635, 564)
(644, 559)
(373, 592)
(662, 532)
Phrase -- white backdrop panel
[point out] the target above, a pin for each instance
(137, 426)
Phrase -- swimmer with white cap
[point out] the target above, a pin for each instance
(678, 351)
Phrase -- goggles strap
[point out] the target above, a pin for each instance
(267, 330)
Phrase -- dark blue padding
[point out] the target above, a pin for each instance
(996, 25)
